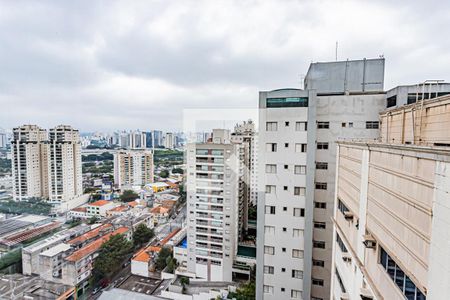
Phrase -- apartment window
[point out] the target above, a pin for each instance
(320, 225)
(271, 169)
(299, 191)
(284, 229)
(318, 263)
(299, 212)
(372, 125)
(271, 147)
(301, 126)
(350, 124)
(339, 279)
(344, 124)
(270, 210)
(297, 274)
(341, 243)
(286, 145)
(297, 253)
(268, 269)
(319, 244)
(269, 250)
(322, 205)
(300, 148)
(321, 165)
(268, 289)
(321, 185)
(269, 230)
(299, 170)
(341, 206)
(284, 208)
(271, 189)
(322, 146)
(282, 289)
(286, 124)
(283, 270)
(286, 167)
(316, 281)
(323, 125)
(285, 188)
(296, 294)
(271, 126)
(283, 249)
(403, 282)
(297, 232)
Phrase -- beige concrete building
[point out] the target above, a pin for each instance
(29, 162)
(133, 168)
(392, 208)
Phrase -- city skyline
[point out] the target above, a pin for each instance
(127, 66)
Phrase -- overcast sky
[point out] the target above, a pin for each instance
(105, 65)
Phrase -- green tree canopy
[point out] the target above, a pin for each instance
(164, 174)
(161, 261)
(142, 235)
(128, 196)
(246, 291)
(111, 255)
(177, 171)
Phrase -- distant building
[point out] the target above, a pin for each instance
(99, 208)
(169, 140)
(3, 139)
(133, 168)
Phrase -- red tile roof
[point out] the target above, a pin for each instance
(90, 234)
(159, 210)
(118, 208)
(80, 209)
(99, 203)
(94, 246)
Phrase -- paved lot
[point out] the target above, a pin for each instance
(140, 284)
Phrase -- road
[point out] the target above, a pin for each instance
(161, 231)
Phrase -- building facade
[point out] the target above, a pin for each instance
(133, 168)
(391, 229)
(297, 156)
(29, 151)
(169, 141)
(214, 172)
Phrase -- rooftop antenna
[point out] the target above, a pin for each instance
(336, 52)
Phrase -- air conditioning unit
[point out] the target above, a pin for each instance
(345, 296)
(348, 215)
(369, 241)
(346, 257)
(366, 294)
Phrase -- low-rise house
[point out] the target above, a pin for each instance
(78, 213)
(99, 208)
(120, 210)
(97, 231)
(160, 213)
(157, 187)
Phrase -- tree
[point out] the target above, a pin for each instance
(161, 261)
(111, 255)
(184, 281)
(89, 190)
(128, 196)
(252, 211)
(164, 174)
(142, 235)
(246, 291)
(172, 264)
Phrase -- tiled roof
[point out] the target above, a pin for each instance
(94, 246)
(169, 236)
(90, 234)
(143, 254)
(118, 208)
(159, 210)
(99, 203)
(80, 209)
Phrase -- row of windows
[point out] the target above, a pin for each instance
(302, 126)
(298, 191)
(296, 253)
(270, 230)
(297, 212)
(273, 147)
(298, 169)
(341, 243)
(295, 294)
(295, 273)
(299, 126)
(404, 283)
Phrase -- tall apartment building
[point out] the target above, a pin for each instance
(169, 140)
(133, 168)
(29, 162)
(296, 164)
(392, 210)
(246, 133)
(214, 174)
(64, 164)
(137, 140)
(3, 139)
(48, 167)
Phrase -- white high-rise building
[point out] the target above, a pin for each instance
(133, 168)
(298, 131)
(214, 178)
(137, 140)
(169, 140)
(64, 164)
(3, 139)
(29, 162)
